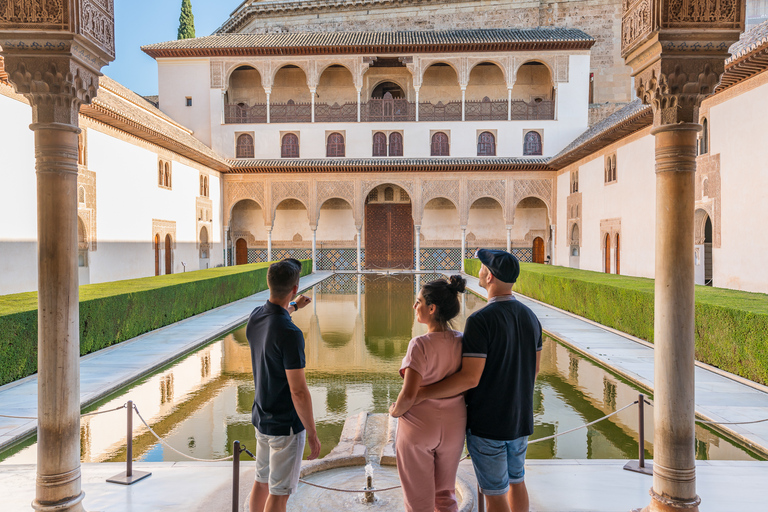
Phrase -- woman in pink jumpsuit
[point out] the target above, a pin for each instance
(430, 435)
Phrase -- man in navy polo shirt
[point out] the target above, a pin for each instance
(500, 360)
(282, 406)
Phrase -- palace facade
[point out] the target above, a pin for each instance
(367, 148)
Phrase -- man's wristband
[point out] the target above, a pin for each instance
(295, 306)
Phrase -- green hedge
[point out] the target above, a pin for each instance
(731, 326)
(121, 310)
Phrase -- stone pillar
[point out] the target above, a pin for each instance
(358, 105)
(674, 470)
(463, 102)
(359, 250)
(312, 93)
(269, 243)
(417, 103)
(509, 103)
(556, 99)
(463, 245)
(269, 93)
(418, 246)
(314, 249)
(56, 82)
(674, 79)
(509, 238)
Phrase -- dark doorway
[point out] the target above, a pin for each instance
(392, 88)
(241, 252)
(168, 263)
(607, 253)
(538, 250)
(157, 254)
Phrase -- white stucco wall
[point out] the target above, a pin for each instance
(179, 79)
(737, 132)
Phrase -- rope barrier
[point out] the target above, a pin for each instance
(583, 426)
(347, 490)
(18, 417)
(82, 415)
(171, 447)
(732, 422)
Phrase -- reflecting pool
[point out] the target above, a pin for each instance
(357, 331)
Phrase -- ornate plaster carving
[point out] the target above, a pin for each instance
(339, 189)
(431, 189)
(487, 188)
(282, 190)
(238, 190)
(163, 228)
(541, 188)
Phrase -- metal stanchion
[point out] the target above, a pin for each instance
(236, 476)
(639, 465)
(130, 476)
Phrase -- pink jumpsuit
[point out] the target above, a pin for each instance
(430, 436)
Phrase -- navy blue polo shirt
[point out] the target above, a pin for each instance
(276, 345)
(507, 334)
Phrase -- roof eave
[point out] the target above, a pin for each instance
(246, 167)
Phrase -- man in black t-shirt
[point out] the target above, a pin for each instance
(282, 405)
(501, 357)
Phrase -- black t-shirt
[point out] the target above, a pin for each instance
(276, 345)
(508, 335)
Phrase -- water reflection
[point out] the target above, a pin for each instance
(357, 331)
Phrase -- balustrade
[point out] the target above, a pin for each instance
(389, 110)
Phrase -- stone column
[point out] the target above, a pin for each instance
(463, 245)
(359, 250)
(312, 93)
(509, 238)
(358, 105)
(674, 79)
(269, 114)
(509, 103)
(56, 82)
(674, 470)
(269, 243)
(314, 249)
(417, 103)
(556, 100)
(463, 101)
(418, 246)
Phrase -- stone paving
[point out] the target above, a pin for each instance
(720, 396)
(107, 370)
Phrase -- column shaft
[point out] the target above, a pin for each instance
(269, 243)
(509, 104)
(58, 427)
(674, 473)
(314, 250)
(358, 250)
(463, 103)
(463, 246)
(418, 247)
(358, 106)
(417, 104)
(509, 239)
(312, 95)
(268, 108)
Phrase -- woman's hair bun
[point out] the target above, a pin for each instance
(457, 283)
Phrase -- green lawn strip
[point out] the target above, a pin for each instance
(120, 310)
(731, 325)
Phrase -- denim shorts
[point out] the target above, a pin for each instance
(497, 463)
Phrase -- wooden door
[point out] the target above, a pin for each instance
(241, 252)
(157, 254)
(388, 236)
(607, 247)
(538, 250)
(168, 264)
(618, 255)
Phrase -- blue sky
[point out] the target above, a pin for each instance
(141, 22)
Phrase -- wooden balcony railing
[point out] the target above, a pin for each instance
(388, 110)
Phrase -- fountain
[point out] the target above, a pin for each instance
(366, 450)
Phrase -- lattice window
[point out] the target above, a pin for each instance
(610, 168)
(289, 147)
(379, 144)
(389, 194)
(81, 195)
(440, 146)
(532, 144)
(335, 145)
(486, 144)
(395, 144)
(373, 196)
(704, 138)
(160, 173)
(244, 146)
(164, 174)
(575, 183)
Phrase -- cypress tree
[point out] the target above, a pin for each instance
(186, 21)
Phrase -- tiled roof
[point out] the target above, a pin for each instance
(621, 123)
(749, 56)
(749, 41)
(118, 106)
(345, 42)
(390, 164)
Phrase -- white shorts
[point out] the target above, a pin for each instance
(278, 461)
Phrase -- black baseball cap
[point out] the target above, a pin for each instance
(503, 265)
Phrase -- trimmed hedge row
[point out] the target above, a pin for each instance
(731, 325)
(120, 310)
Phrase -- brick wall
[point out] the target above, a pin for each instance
(601, 19)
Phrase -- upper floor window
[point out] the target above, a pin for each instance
(379, 144)
(189, 101)
(335, 145)
(440, 146)
(395, 144)
(289, 148)
(575, 184)
(610, 168)
(532, 144)
(204, 185)
(164, 174)
(486, 144)
(81, 195)
(704, 138)
(244, 147)
(389, 194)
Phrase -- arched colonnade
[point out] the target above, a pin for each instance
(358, 88)
(394, 221)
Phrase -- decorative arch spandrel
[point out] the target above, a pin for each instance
(282, 190)
(236, 191)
